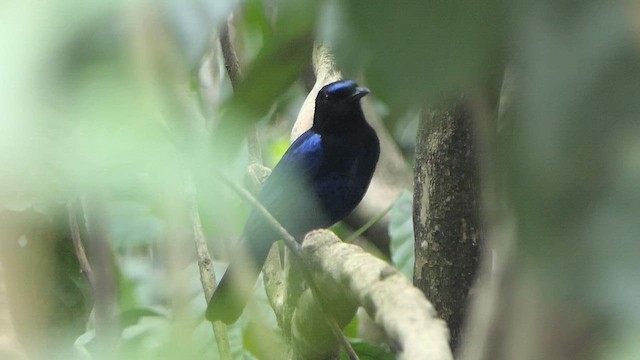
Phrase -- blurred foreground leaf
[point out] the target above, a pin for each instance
(413, 51)
(401, 233)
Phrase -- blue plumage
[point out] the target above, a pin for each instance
(319, 180)
(340, 86)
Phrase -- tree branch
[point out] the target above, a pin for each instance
(232, 64)
(288, 239)
(104, 289)
(292, 245)
(345, 275)
(402, 310)
(85, 266)
(207, 275)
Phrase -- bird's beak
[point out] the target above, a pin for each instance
(359, 93)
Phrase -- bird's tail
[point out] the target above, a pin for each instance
(229, 300)
(236, 286)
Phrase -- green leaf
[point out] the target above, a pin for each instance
(368, 351)
(261, 334)
(133, 224)
(132, 316)
(401, 233)
(424, 50)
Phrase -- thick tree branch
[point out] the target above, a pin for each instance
(346, 275)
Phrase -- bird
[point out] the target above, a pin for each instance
(319, 180)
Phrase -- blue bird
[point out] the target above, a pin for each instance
(320, 179)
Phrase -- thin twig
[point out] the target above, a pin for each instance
(337, 331)
(104, 290)
(205, 263)
(288, 239)
(335, 328)
(369, 224)
(207, 275)
(85, 266)
(232, 64)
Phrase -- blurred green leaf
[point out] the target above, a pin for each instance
(147, 338)
(270, 74)
(571, 148)
(414, 51)
(132, 316)
(351, 329)
(133, 224)
(401, 233)
(572, 160)
(368, 351)
(276, 149)
(261, 334)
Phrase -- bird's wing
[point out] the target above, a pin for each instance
(285, 193)
(286, 198)
(303, 156)
(301, 161)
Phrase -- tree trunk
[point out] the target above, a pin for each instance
(446, 220)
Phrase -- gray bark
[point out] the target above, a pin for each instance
(446, 217)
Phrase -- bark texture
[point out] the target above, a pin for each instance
(446, 219)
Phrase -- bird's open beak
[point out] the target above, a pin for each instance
(360, 92)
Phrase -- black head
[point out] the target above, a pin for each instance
(338, 107)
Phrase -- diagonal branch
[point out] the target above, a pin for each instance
(295, 248)
(288, 239)
(347, 274)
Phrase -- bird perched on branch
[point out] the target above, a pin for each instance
(320, 179)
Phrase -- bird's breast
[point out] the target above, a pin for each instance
(343, 184)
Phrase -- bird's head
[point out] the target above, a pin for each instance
(338, 106)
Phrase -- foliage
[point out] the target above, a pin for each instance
(100, 97)
(401, 232)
